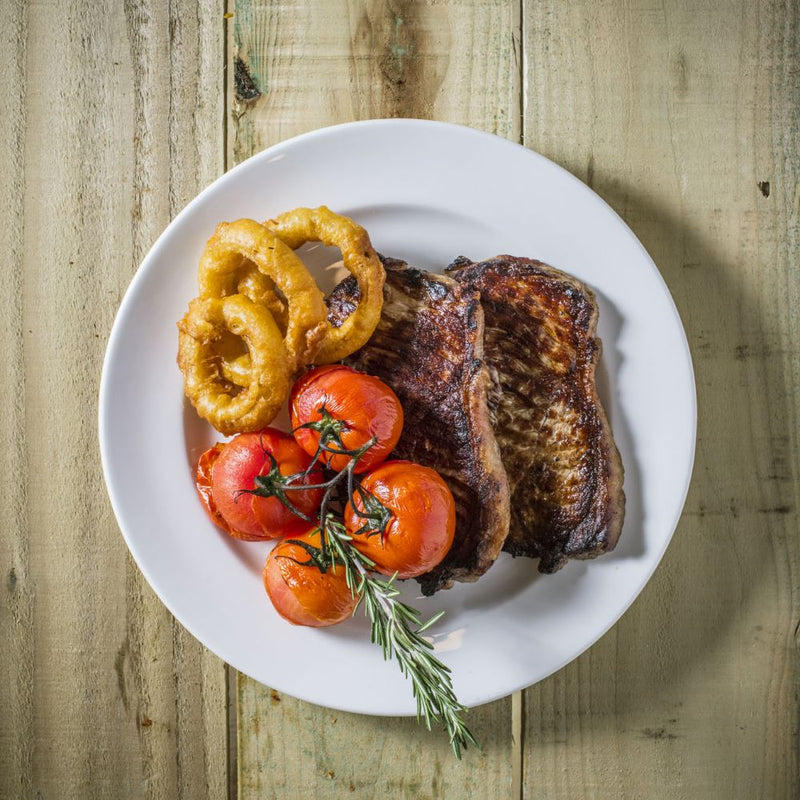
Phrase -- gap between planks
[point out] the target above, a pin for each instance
(232, 713)
(516, 745)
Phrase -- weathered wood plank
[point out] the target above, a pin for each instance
(16, 610)
(179, 688)
(684, 117)
(112, 120)
(301, 65)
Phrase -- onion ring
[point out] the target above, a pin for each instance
(254, 405)
(224, 270)
(321, 224)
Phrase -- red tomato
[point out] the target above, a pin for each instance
(359, 406)
(418, 515)
(302, 592)
(239, 462)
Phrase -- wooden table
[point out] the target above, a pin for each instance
(683, 115)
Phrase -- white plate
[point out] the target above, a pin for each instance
(426, 192)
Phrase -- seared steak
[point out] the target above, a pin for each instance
(428, 347)
(563, 467)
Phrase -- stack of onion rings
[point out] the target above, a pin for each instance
(260, 317)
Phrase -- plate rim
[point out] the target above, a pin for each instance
(493, 140)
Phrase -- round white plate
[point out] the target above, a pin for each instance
(426, 192)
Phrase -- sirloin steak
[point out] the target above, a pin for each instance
(563, 467)
(428, 347)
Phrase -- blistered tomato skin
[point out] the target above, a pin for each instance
(421, 522)
(300, 591)
(233, 475)
(362, 406)
(203, 486)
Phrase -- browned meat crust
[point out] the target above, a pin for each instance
(428, 347)
(564, 469)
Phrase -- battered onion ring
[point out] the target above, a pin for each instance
(227, 267)
(323, 225)
(269, 379)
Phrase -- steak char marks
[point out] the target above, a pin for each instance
(428, 347)
(563, 467)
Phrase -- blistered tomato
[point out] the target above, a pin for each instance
(346, 409)
(226, 481)
(403, 518)
(302, 591)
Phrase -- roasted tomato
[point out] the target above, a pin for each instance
(346, 409)
(404, 518)
(234, 470)
(302, 591)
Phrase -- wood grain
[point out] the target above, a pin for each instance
(684, 117)
(303, 65)
(112, 120)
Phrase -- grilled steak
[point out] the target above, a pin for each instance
(564, 469)
(428, 348)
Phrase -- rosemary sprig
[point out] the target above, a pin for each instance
(396, 629)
